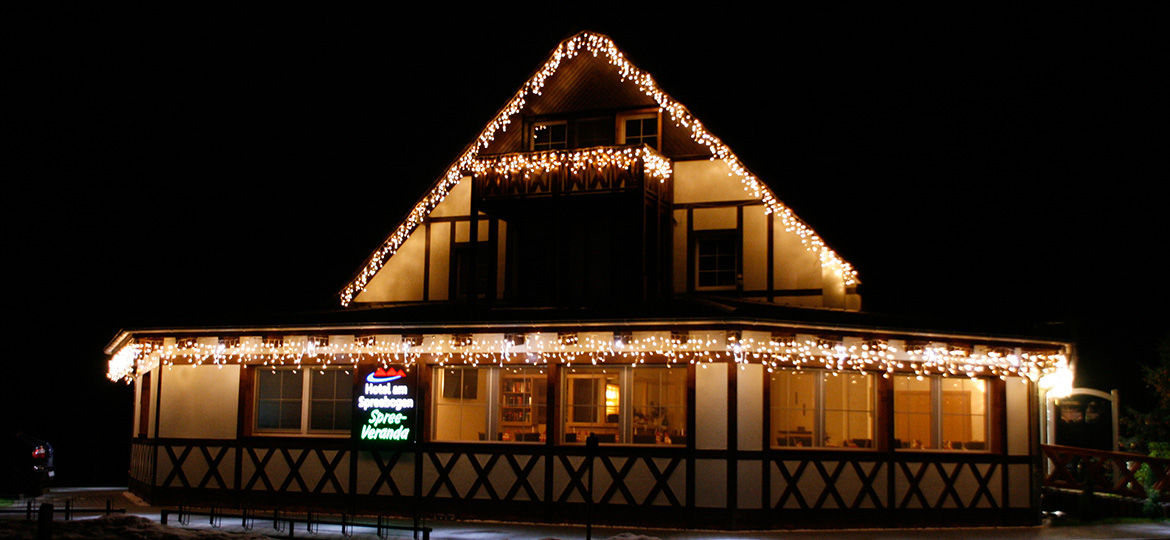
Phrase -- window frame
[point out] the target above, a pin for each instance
(565, 144)
(625, 426)
(621, 128)
(821, 411)
(938, 415)
(306, 400)
(493, 402)
(486, 266)
(729, 235)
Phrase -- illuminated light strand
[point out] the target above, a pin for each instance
(656, 166)
(867, 357)
(597, 45)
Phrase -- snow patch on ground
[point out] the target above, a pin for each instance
(115, 527)
(139, 528)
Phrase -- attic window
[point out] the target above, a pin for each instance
(716, 260)
(639, 129)
(550, 136)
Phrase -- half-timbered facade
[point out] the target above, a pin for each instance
(596, 266)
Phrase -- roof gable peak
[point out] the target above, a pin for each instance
(600, 46)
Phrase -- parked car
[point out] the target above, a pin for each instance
(26, 464)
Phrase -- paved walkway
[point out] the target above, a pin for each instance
(477, 530)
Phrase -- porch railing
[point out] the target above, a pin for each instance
(1117, 473)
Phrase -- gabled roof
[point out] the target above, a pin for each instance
(603, 47)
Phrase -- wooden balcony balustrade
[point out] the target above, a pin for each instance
(614, 169)
(1105, 472)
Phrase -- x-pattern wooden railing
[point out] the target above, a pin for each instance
(1105, 472)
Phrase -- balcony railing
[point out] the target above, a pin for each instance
(1118, 473)
(566, 172)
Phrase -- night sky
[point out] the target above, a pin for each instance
(171, 167)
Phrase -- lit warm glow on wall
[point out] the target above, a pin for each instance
(599, 348)
(611, 399)
(1058, 383)
(597, 45)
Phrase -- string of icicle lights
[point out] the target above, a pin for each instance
(874, 356)
(597, 45)
(656, 166)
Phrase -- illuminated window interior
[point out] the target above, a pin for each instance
(822, 409)
(940, 414)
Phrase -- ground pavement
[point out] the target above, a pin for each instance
(481, 530)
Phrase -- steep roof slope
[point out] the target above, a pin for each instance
(599, 46)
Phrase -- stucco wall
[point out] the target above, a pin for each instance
(794, 269)
(711, 406)
(199, 402)
(1019, 415)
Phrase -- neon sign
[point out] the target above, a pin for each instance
(384, 409)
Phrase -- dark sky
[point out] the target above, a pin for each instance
(177, 165)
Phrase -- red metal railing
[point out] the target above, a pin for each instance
(1106, 472)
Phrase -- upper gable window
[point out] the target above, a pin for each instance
(550, 136)
(716, 259)
(594, 132)
(485, 263)
(639, 129)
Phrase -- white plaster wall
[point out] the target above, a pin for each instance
(713, 219)
(853, 302)
(463, 231)
(833, 287)
(750, 407)
(749, 492)
(711, 475)
(1019, 486)
(457, 202)
(199, 401)
(440, 261)
(706, 181)
(1018, 416)
(796, 267)
(755, 248)
(401, 278)
(711, 406)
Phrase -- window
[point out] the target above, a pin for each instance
(594, 132)
(282, 407)
(938, 413)
(716, 260)
(550, 136)
(640, 129)
(659, 405)
(822, 409)
(490, 404)
(642, 405)
(330, 399)
(485, 266)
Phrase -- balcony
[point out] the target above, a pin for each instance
(602, 169)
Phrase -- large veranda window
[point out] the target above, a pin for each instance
(490, 403)
(940, 413)
(822, 409)
(304, 400)
(632, 405)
